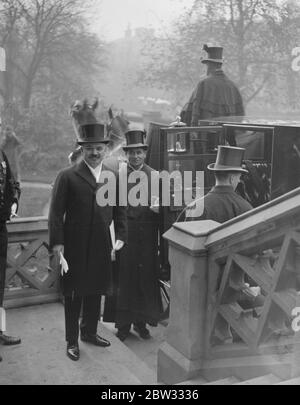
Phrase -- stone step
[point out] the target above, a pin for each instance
(268, 379)
(133, 355)
(144, 350)
(196, 381)
(202, 381)
(294, 381)
(41, 358)
(225, 381)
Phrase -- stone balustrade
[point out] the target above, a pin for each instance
(233, 289)
(32, 276)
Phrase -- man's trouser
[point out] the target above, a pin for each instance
(91, 306)
(3, 256)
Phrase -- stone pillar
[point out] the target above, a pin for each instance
(180, 358)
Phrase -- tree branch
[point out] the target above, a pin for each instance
(258, 90)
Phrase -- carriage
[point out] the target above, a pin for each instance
(272, 158)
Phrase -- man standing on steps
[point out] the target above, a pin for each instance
(9, 197)
(138, 298)
(79, 232)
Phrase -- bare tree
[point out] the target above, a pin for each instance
(42, 35)
(252, 32)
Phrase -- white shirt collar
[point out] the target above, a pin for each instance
(138, 169)
(95, 172)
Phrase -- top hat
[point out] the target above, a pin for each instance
(135, 139)
(214, 54)
(229, 159)
(92, 133)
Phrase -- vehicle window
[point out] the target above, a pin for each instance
(253, 142)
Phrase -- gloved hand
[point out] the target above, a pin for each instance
(154, 207)
(119, 245)
(13, 211)
(58, 250)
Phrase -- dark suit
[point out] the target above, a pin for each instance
(139, 298)
(222, 203)
(82, 226)
(9, 194)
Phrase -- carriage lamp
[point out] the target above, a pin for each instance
(177, 142)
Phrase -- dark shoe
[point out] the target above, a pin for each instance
(95, 340)
(122, 334)
(9, 340)
(142, 331)
(73, 352)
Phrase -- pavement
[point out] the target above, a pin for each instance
(41, 358)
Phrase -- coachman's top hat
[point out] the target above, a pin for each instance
(229, 159)
(135, 138)
(214, 54)
(92, 133)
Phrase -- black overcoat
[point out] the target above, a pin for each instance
(82, 226)
(9, 188)
(221, 204)
(139, 294)
(9, 194)
(215, 96)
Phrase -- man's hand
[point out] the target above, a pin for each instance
(119, 245)
(154, 207)
(13, 212)
(251, 292)
(57, 249)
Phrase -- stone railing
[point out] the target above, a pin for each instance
(234, 289)
(31, 275)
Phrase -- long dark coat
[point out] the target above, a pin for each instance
(221, 204)
(139, 294)
(215, 96)
(82, 226)
(9, 188)
(9, 194)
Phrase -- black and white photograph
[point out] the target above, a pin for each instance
(149, 195)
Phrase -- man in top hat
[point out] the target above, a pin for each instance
(138, 300)
(79, 232)
(216, 95)
(222, 203)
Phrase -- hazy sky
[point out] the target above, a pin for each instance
(115, 15)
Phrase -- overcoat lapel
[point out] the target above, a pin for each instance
(84, 172)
